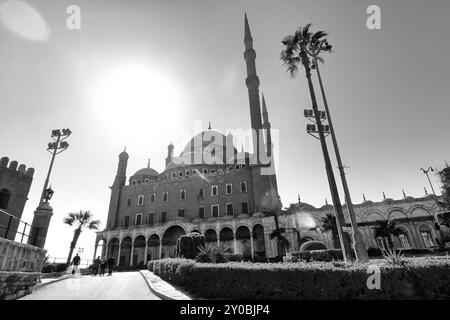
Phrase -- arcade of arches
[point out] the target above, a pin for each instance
(134, 251)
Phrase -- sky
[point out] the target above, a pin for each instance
(142, 74)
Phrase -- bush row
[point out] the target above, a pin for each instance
(417, 279)
(54, 267)
(314, 255)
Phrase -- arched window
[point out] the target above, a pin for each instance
(129, 202)
(166, 196)
(244, 186)
(425, 232)
(140, 200)
(183, 195)
(152, 198)
(5, 194)
(229, 188)
(214, 191)
(404, 241)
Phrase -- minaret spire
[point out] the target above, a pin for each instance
(266, 126)
(252, 82)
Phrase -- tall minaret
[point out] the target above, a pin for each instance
(252, 83)
(169, 158)
(116, 190)
(266, 126)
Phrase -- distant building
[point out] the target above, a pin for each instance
(416, 217)
(15, 183)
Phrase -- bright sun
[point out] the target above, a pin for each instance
(134, 99)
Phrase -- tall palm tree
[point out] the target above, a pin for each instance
(329, 225)
(296, 50)
(385, 229)
(82, 220)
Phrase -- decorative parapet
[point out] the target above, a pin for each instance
(15, 256)
(22, 169)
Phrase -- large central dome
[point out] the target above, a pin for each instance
(209, 140)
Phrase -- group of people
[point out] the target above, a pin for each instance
(102, 264)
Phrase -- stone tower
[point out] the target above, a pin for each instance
(15, 183)
(116, 189)
(252, 82)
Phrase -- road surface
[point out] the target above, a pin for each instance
(119, 286)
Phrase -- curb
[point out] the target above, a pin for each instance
(147, 275)
(43, 284)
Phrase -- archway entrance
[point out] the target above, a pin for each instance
(226, 236)
(259, 244)
(153, 247)
(139, 251)
(243, 245)
(125, 252)
(113, 249)
(169, 241)
(211, 237)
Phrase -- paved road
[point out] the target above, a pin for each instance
(119, 286)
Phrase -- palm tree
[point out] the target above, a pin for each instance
(82, 219)
(385, 229)
(298, 49)
(329, 225)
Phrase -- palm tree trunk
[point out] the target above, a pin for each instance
(336, 242)
(73, 244)
(345, 246)
(277, 227)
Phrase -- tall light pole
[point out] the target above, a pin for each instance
(44, 211)
(360, 250)
(426, 173)
(56, 147)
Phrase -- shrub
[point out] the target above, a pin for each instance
(315, 255)
(220, 252)
(234, 257)
(48, 268)
(374, 252)
(61, 267)
(312, 245)
(188, 245)
(205, 254)
(419, 279)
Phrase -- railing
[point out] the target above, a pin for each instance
(11, 229)
(83, 262)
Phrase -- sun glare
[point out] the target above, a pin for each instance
(134, 99)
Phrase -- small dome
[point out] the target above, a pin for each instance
(146, 172)
(367, 202)
(326, 207)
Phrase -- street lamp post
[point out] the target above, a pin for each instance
(426, 173)
(56, 147)
(44, 211)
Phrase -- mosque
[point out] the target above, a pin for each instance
(229, 195)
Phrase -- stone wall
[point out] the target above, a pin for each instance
(20, 266)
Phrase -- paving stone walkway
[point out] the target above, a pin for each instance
(119, 286)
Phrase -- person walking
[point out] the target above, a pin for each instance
(75, 263)
(103, 265)
(97, 263)
(111, 262)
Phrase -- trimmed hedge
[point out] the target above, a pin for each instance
(312, 245)
(315, 255)
(54, 267)
(418, 279)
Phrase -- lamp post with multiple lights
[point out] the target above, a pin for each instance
(426, 173)
(56, 147)
(44, 211)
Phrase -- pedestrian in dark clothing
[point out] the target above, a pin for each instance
(75, 263)
(96, 265)
(103, 265)
(111, 262)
